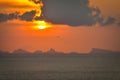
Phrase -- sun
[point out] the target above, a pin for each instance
(41, 25)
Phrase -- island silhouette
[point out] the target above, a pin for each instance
(94, 51)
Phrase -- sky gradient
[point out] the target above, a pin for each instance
(74, 26)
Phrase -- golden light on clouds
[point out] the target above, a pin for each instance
(8, 6)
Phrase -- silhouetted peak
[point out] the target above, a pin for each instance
(4, 52)
(38, 52)
(1, 52)
(20, 51)
(51, 51)
(103, 51)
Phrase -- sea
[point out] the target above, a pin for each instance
(56, 67)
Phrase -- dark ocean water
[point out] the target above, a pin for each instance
(60, 68)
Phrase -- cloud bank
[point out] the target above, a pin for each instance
(27, 16)
(66, 12)
(73, 13)
(5, 17)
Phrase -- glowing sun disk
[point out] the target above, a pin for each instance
(41, 27)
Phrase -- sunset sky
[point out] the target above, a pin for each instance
(65, 25)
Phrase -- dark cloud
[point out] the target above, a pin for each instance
(6, 17)
(109, 21)
(28, 16)
(73, 12)
(40, 17)
(68, 12)
(118, 21)
(36, 1)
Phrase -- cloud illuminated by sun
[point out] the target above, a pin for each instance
(40, 25)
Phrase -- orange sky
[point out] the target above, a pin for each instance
(108, 7)
(18, 34)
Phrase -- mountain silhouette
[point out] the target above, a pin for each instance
(38, 52)
(52, 51)
(102, 51)
(20, 52)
